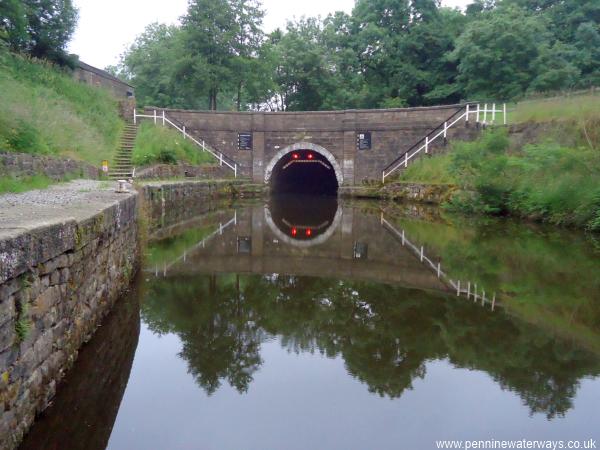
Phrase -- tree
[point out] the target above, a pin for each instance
(209, 30)
(246, 43)
(497, 53)
(41, 28)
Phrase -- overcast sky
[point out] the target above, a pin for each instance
(107, 27)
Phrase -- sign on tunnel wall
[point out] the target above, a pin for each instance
(363, 140)
(244, 141)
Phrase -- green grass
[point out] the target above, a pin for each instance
(43, 110)
(577, 107)
(431, 170)
(157, 144)
(15, 185)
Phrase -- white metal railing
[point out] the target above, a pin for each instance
(223, 159)
(482, 114)
(202, 243)
(470, 290)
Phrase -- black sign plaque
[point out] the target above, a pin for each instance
(363, 140)
(244, 141)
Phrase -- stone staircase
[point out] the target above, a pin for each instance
(122, 167)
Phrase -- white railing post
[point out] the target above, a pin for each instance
(477, 113)
(203, 146)
(504, 112)
(163, 117)
(485, 113)
(406, 159)
(134, 116)
(467, 116)
(154, 117)
(493, 113)
(220, 159)
(445, 129)
(184, 131)
(426, 144)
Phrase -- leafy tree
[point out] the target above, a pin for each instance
(41, 28)
(497, 53)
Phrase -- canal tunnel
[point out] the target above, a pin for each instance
(304, 171)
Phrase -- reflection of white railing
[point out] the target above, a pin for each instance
(223, 159)
(470, 290)
(481, 116)
(202, 243)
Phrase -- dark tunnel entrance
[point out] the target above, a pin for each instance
(304, 172)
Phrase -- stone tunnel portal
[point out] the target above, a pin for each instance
(304, 169)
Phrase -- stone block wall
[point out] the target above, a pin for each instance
(393, 131)
(57, 281)
(181, 171)
(24, 164)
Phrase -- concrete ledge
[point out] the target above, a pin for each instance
(66, 255)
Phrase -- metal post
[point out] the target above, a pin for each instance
(406, 159)
(184, 131)
(134, 116)
(493, 113)
(467, 116)
(485, 113)
(475, 293)
(220, 159)
(468, 290)
(235, 170)
(235, 214)
(402, 237)
(438, 269)
(154, 117)
(458, 288)
(163, 117)
(426, 144)
(504, 112)
(220, 228)
(421, 253)
(477, 113)
(445, 129)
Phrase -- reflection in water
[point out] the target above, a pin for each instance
(230, 306)
(83, 413)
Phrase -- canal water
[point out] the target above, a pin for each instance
(308, 323)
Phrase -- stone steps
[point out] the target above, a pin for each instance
(122, 166)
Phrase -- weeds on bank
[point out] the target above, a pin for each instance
(157, 144)
(45, 111)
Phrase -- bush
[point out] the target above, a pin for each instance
(541, 181)
(44, 110)
(157, 144)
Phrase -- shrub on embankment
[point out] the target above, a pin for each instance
(43, 110)
(158, 144)
(555, 177)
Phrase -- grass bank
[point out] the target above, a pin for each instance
(15, 185)
(43, 110)
(156, 144)
(547, 180)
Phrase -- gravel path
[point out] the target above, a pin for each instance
(57, 203)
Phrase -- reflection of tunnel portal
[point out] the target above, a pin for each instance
(304, 172)
(303, 221)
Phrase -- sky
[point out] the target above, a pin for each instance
(106, 28)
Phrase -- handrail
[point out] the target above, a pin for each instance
(220, 156)
(406, 156)
(469, 289)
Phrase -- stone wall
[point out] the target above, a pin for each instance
(159, 171)
(171, 202)
(57, 281)
(100, 78)
(392, 131)
(434, 194)
(24, 164)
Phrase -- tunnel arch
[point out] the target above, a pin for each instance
(304, 146)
